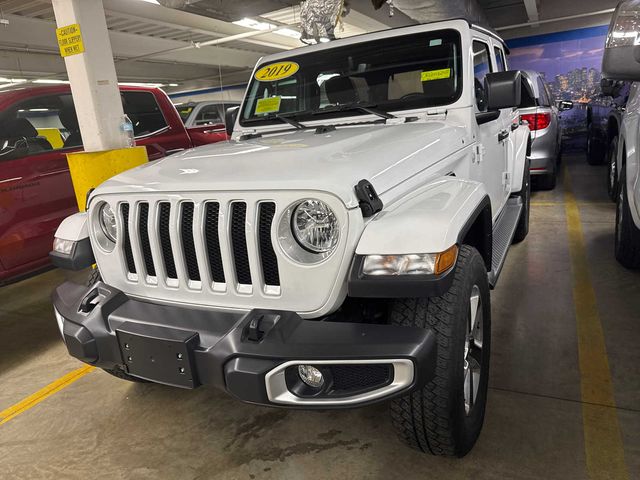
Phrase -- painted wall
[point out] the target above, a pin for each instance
(571, 64)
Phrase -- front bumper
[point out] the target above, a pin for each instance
(253, 356)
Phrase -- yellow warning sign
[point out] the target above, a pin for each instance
(268, 105)
(276, 71)
(70, 40)
(435, 74)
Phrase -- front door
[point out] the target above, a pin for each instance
(492, 133)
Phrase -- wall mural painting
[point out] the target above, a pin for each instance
(570, 63)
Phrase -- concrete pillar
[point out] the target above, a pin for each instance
(92, 74)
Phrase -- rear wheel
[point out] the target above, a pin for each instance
(612, 174)
(445, 417)
(94, 277)
(547, 181)
(594, 154)
(627, 241)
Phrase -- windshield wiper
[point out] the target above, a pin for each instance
(362, 107)
(285, 118)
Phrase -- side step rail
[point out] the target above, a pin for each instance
(503, 231)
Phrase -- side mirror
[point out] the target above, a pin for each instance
(621, 59)
(230, 116)
(565, 105)
(503, 89)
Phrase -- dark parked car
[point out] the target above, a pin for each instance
(38, 127)
(603, 126)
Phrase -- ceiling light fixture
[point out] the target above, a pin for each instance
(254, 24)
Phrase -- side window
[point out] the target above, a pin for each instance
(144, 112)
(208, 115)
(543, 98)
(39, 125)
(500, 64)
(481, 66)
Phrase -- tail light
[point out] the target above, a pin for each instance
(536, 121)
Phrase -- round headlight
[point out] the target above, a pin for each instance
(108, 222)
(315, 226)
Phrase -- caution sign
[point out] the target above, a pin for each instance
(435, 75)
(70, 40)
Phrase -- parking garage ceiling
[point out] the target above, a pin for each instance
(156, 44)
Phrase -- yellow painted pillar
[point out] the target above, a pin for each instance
(84, 44)
(90, 169)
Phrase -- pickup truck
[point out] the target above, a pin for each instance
(621, 62)
(38, 127)
(339, 251)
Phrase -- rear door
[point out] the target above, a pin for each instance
(36, 192)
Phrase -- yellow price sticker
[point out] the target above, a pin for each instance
(435, 74)
(268, 105)
(276, 71)
(70, 40)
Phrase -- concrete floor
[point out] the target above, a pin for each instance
(100, 427)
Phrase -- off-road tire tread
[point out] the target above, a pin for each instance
(422, 417)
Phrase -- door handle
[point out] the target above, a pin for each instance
(503, 135)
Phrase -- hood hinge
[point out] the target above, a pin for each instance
(436, 113)
(368, 199)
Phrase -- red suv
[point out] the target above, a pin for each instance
(38, 126)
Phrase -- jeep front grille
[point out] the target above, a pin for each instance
(205, 223)
(224, 249)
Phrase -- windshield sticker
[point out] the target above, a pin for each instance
(268, 105)
(435, 74)
(436, 42)
(276, 71)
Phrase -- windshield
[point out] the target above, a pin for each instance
(391, 74)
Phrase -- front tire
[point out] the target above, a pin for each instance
(445, 416)
(627, 241)
(612, 172)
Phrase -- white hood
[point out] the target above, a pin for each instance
(334, 162)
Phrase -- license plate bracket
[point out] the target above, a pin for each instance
(158, 354)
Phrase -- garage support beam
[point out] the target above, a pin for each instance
(92, 75)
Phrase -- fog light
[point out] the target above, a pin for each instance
(311, 376)
(62, 246)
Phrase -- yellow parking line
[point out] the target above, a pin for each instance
(555, 204)
(602, 437)
(32, 400)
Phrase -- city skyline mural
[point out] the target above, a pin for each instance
(571, 64)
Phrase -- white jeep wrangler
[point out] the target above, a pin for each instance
(337, 252)
(621, 61)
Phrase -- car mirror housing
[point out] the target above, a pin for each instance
(230, 116)
(504, 89)
(565, 105)
(621, 59)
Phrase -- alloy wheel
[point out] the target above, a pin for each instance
(473, 350)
